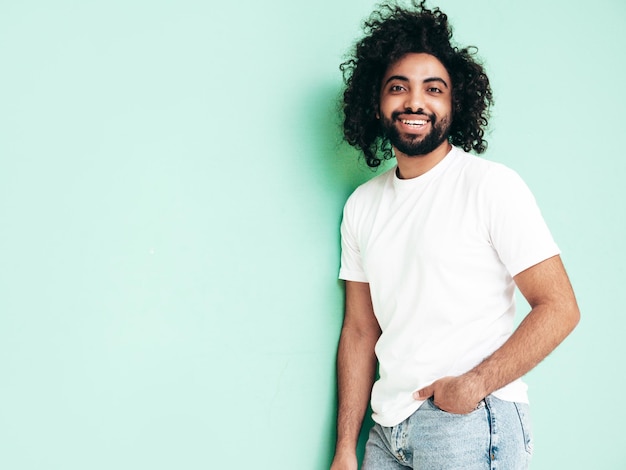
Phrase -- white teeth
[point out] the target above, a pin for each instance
(414, 123)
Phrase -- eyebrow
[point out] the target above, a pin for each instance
(402, 78)
(436, 79)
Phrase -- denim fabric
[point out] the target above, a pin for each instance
(496, 436)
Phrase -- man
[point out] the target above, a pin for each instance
(431, 253)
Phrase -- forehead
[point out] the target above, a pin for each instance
(417, 66)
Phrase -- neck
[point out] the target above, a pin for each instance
(414, 166)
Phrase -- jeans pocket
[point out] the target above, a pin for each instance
(431, 402)
(523, 411)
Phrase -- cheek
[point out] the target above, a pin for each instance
(445, 109)
(387, 106)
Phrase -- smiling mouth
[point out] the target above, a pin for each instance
(414, 122)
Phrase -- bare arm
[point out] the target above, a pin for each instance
(554, 314)
(356, 368)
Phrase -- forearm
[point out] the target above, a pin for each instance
(356, 369)
(553, 316)
(543, 329)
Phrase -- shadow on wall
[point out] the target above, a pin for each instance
(341, 166)
(339, 169)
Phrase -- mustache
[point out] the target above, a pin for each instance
(395, 115)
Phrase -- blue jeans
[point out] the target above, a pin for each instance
(496, 435)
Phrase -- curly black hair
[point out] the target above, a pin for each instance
(391, 32)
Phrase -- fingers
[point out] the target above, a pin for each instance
(424, 393)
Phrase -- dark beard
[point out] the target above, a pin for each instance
(413, 146)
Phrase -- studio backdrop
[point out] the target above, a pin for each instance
(172, 176)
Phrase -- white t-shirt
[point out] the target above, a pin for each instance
(439, 252)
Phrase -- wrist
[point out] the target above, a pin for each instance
(477, 384)
(345, 450)
(344, 460)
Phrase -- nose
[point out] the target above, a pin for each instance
(414, 101)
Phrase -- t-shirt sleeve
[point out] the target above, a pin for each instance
(351, 268)
(517, 229)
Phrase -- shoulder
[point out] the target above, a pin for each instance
(486, 174)
(371, 189)
(479, 167)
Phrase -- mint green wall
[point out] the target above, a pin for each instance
(171, 183)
